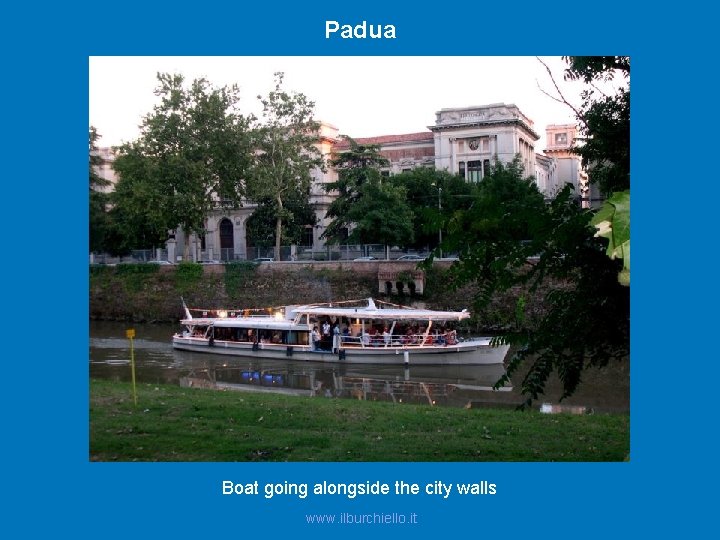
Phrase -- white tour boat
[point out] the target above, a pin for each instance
(362, 332)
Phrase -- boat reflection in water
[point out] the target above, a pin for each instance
(456, 385)
(156, 362)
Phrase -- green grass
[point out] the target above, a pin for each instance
(171, 423)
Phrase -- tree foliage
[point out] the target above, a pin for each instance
(286, 154)
(193, 155)
(605, 146)
(504, 224)
(508, 238)
(98, 199)
(604, 120)
(613, 223)
(356, 167)
(299, 214)
(588, 309)
(432, 196)
(380, 215)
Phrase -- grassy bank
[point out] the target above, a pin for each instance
(171, 423)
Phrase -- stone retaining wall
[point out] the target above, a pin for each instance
(155, 297)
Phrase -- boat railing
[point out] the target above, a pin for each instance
(397, 340)
(252, 316)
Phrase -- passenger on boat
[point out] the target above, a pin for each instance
(415, 338)
(387, 338)
(336, 338)
(315, 335)
(407, 338)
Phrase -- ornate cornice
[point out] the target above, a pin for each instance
(489, 123)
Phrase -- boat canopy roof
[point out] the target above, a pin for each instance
(200, 321)
(267, 323)
(260, 323)
(291, 318)
(371, 311)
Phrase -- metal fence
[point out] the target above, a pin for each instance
(346, 252)
(135, 256)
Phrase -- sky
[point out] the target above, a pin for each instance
(363, 96)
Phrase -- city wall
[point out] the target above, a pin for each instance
(155, 296)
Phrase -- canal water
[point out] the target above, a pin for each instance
(156, 362)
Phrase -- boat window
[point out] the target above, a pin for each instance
(297, 338)
(199, 331)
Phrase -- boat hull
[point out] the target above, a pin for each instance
(477, 352)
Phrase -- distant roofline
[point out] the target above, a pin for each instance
(422, 136)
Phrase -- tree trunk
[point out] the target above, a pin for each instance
(278, 229)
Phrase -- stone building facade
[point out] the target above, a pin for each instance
(568, 166)
(468, 140)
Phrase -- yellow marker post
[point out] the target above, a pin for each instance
(130, 333)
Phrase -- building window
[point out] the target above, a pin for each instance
(386, 174)
(561, 138)
(308, 239)
(474, 171)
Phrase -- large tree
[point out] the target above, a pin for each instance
(381, 215)
(432, 196)
(505, 223)
(598, 305)
(357, 166)
(286, 153)
(586, 321)
(299, 215)
(193, 155)
(98, 198)
(604, 120)
(140, 213)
